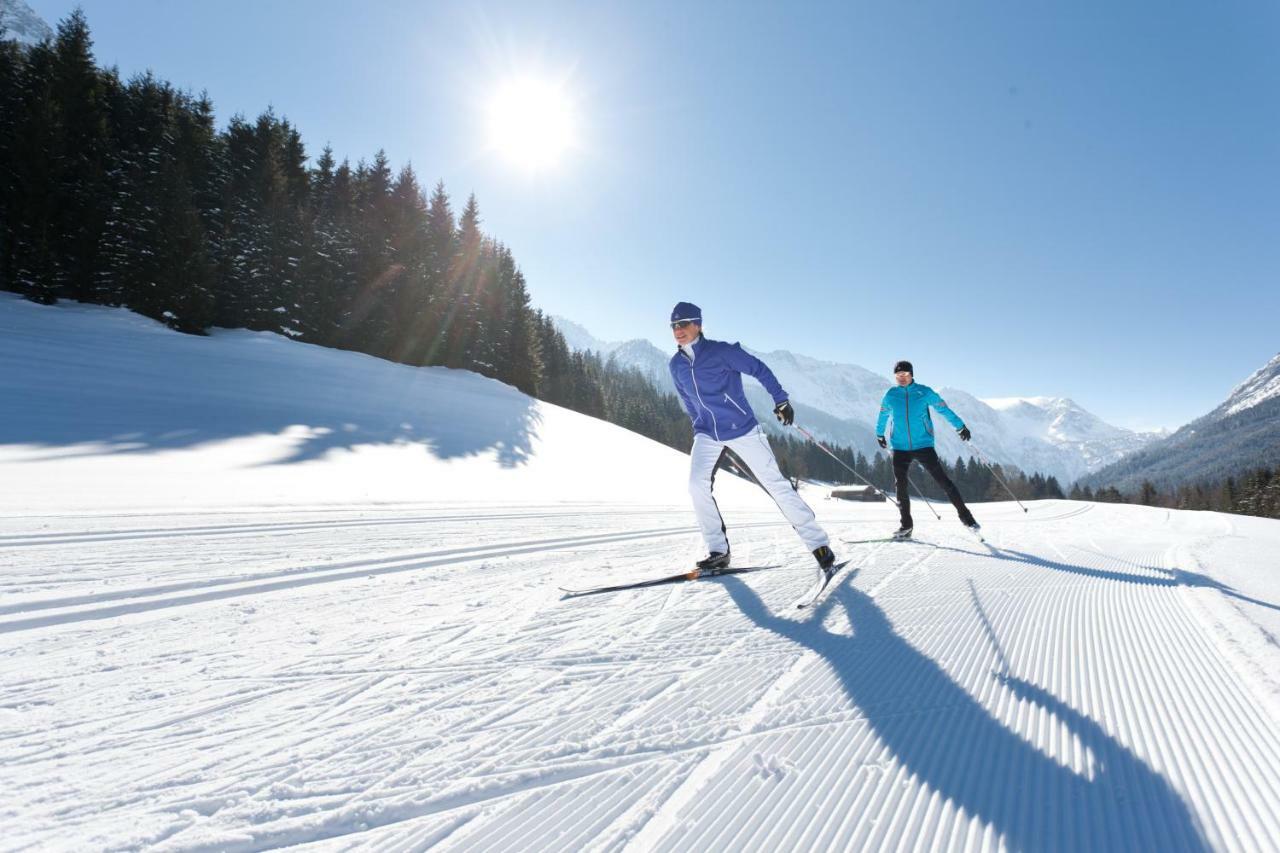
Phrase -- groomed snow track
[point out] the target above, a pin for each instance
(407, 677)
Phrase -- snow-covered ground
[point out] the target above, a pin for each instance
(254, 593)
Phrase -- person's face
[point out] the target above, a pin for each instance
(685, 331)
(902, 377)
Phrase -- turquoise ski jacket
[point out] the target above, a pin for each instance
(909, 407)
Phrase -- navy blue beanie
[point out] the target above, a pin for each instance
(686, 311)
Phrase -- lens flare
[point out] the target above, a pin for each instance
(531, 123)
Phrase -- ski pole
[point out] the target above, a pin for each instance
(824, 448)
(987, 462)
(923, 499)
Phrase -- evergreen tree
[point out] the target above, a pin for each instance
(81, 148)
(11, 75)
(407, 221)
(33, 265)
(1228, 496)
(516, 355)
(154, 256)
(441, 247)
(330, 268)
(465, 282)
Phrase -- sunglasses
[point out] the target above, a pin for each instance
(683, 324)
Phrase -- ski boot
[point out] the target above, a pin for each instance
(714, 562)
(825, 557)
(902, 534)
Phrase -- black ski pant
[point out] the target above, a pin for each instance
(927, 457)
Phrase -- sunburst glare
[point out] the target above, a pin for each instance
(532, 123)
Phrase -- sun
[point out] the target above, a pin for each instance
(531, 123)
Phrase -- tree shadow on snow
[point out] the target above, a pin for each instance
(939, 733)
(449, 414)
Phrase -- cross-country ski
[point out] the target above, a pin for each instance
(691, 575)
(825, 575)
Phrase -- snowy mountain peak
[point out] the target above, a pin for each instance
(1006, 403)
(1062, 417)
(22, 24)
(578, 338)
(1260, 387)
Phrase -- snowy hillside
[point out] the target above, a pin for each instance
(255, 594)
(840, 402)
(22, 24)
(96, 396)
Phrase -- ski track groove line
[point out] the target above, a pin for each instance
(471, 552)
(462, 554)
(307, 577)
(135, 534)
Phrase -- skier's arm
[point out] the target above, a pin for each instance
(941, 407)
(883, 421)
(744, 362)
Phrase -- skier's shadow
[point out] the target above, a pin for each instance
(1167, 578)
(940, 734)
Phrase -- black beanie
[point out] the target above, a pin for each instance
(903, 365)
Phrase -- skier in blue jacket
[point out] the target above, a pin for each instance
(907, 404)
(708, 377)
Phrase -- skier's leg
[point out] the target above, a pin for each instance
(929, 459)
(754, 451)
(703, 459)
(901, 464)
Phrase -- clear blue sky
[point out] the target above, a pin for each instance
(1078, 199)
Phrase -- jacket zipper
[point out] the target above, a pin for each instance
(906, 393)
(715, 427)
(735, 405)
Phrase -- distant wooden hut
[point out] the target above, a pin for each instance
(856, 493)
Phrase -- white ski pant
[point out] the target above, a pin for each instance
(754, 451)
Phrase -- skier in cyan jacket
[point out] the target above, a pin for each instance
(708, 378)
(907, 404)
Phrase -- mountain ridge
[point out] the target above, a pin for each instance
(1241, 433)
(22, 24)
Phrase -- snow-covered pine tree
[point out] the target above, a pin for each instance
(82, 150)
(441, 246)
(34, 266)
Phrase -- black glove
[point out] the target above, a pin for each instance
(965, 435)
(785, 413)
(884, 445)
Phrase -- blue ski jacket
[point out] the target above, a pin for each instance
(909, 407)
(710, 387)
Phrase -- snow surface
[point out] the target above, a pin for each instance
(229, 622)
